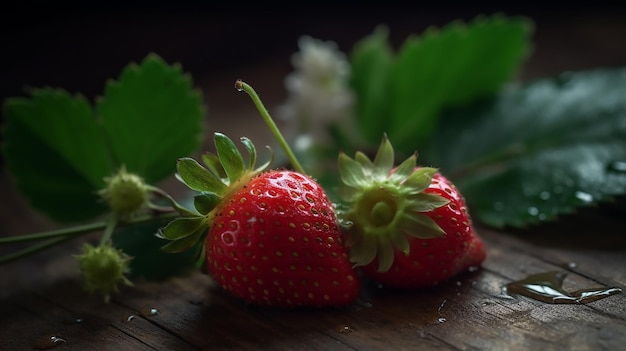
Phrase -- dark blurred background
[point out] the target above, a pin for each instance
(79, 48)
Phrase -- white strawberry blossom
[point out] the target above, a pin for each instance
(318, 92)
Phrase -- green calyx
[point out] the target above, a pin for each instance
(222, 174)
(386, 205)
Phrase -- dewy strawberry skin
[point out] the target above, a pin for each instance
(408, 226)
(276, 241)
(270, 237)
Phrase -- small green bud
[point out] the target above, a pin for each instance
(126, 193)
(103, 267)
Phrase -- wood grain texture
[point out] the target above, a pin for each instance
(465, 313)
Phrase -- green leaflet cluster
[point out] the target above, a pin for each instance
(223, 173)
(385, 204)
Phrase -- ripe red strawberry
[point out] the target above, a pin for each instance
(409, 225)
(274, 238)
(276, 241)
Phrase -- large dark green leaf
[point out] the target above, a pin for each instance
(539, 150)
(442, 67)
(371, 61)
(152, 116)
(56, 154)
(59, 153)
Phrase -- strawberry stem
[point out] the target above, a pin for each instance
(54, 237)
(108, 230)
(34, 249)
(243, 86)
(68, 232)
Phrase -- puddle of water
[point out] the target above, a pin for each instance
(548, 287)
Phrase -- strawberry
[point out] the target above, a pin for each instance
(276, 240)
(408, 226)
(271, 237)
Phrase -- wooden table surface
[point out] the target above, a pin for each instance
(41, 297)
(468, 312)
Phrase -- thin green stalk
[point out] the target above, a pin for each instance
(108, 230)
(175, 205)
(34, 248)
(66, 232)
(55, 237)
(242, 86)
(81, 229)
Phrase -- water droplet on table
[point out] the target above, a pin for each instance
(150, 312)
(75, 320)
(441, 318)
(571, 265)
(129, 318)
(48, 341)
(344, 329)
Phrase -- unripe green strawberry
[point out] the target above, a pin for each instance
(126, 193)
(103, 268)
(409, 225)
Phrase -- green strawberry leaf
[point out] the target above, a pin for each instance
(231, 158)
(540, 150)
(182, 227)
(442, 67)
(214, 164)
(151, 114)
(59, 153)
(55, 153)
(371, 61)
(199, 178)
(185, 243)
(206, 202)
